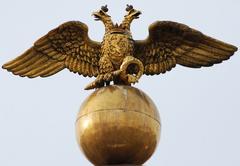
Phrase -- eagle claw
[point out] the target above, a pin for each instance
(102, 79)
(120, 76)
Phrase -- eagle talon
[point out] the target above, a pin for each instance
(116, 73)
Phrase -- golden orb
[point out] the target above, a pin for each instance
(118, 125)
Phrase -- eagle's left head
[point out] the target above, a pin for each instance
(102, 15)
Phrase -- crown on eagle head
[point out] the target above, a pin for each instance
(107, 21)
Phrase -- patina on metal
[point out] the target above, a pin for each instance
(118, 125)
(69, 46)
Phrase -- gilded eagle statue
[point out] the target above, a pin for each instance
(119, 58)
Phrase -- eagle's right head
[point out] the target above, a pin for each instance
(102, 15)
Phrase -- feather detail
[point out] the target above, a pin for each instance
(67, 46)
(171, 43)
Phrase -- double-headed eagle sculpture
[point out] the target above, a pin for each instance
(119, 58)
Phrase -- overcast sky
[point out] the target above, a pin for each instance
(199, 108)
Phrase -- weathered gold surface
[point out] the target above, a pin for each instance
(118, 125)
(69, 46)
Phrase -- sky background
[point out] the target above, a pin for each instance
(199, 108)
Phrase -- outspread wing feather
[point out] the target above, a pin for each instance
(67, 46)
(170, 43)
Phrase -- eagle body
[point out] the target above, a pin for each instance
(119, 58)
(116, 45)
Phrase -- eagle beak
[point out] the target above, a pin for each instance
(134, 14)
(97, 16)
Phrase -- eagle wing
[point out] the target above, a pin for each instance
(67, 46)
(171, 43)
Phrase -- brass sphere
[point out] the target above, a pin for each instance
(118, 125)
